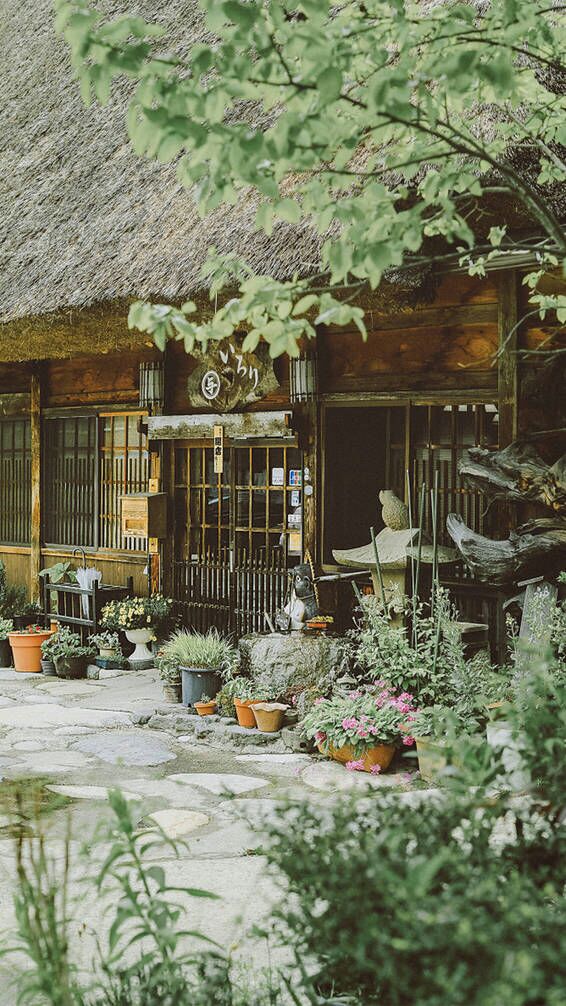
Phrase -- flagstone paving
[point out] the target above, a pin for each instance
(83, 738)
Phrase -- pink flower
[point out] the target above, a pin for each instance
(293, 700)
(362, 732)
(355, 766)
(349, 723)
(355, 695)
(408, 740)
(318, 701)
(320, 736)
(406, 697)
(375, 769)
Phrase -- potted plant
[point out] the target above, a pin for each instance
(269, 715)
(206, 706)
(170, 675)
(70, 655)
(6, 626)
(26, 647)
(27, 615)
(362, 728)
(429, 729)
(107, 643)
(140, 618)
(202, 659)
(49, 652)
(245, 696)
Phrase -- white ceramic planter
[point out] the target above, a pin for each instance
(142, 655)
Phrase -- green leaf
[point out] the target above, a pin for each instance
(329, 84)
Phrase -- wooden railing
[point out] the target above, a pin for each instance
(232, 596)
(80, 607)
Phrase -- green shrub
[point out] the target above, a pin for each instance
(456, 901)
(196, 649)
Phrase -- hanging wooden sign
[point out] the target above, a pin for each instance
(226, 378)
(218, 450)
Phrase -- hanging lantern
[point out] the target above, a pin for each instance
(152, 387)
(304, 378)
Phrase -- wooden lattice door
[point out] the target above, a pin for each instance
(236, 531)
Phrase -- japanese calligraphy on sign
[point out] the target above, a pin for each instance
(226, 378)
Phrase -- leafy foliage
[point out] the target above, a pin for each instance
(13, 599)
(151, 613)
(6, 626)
(380, 124)
(208, 650)
(459, 901)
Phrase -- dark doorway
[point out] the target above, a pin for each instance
(364, 453)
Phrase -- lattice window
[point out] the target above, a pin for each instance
(253, 507)
(123, 469)
(15, 481)
(440, 435)
(69, 485)
(90, 461)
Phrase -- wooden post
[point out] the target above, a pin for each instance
(35, 530)
(507, 372)
(311, 502)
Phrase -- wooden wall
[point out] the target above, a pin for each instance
(447, 347)
(449, 344)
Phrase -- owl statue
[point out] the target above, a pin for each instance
(394, 513)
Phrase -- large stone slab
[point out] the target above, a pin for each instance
(329, 775)
(54, 715)
(286, 765)
(175, 794)
(217, 782)
(88, 792)
(176, 822)
(132, 748)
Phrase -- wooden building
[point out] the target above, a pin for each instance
(90, 412)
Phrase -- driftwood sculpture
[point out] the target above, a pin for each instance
(537, 547)
(518, 472)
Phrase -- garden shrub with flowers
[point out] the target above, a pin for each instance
(362, 719)
(137, 613)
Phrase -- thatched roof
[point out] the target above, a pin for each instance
(84, 222)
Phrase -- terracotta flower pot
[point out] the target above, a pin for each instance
(26, 648)
(244, 713)
(205, 708)
(380, 754)
(269, 716)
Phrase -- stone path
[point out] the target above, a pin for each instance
(82, 738)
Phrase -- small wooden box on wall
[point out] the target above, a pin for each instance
(144, 515)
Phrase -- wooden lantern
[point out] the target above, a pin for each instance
(144, 515)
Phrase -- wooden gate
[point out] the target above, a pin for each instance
(232, 595)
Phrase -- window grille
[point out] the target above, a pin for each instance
(123, 469)
(90, 461)
(15, 481)
(69, 496)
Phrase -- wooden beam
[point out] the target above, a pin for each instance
(507, 373)
(237, 426)
(35, 530)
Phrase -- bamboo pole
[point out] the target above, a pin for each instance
(378, 567)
